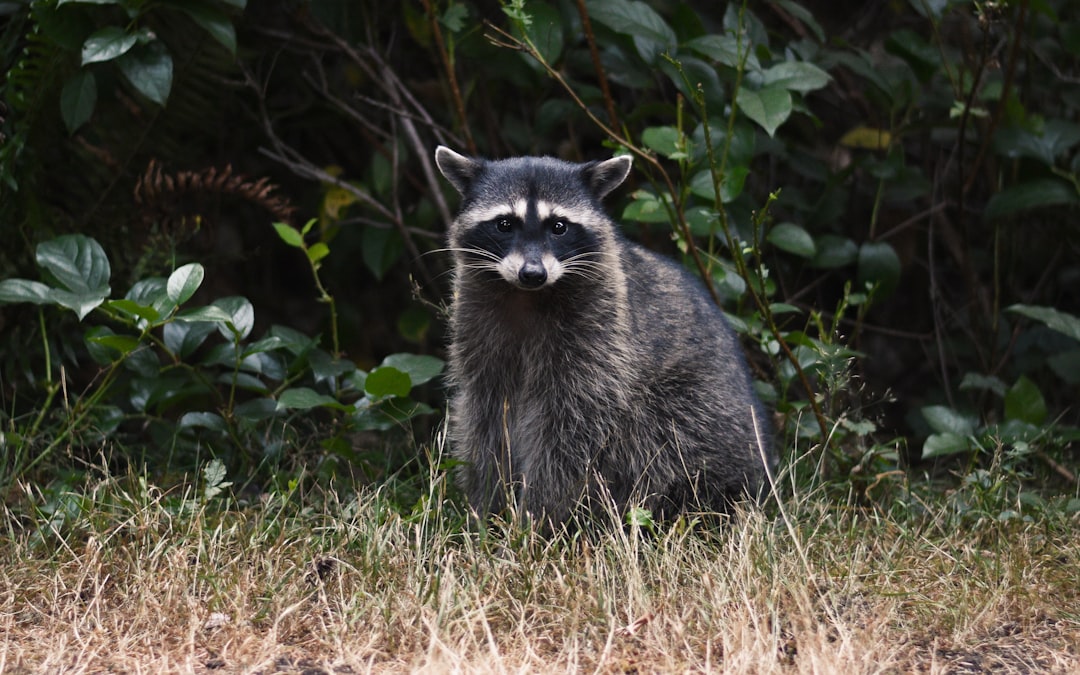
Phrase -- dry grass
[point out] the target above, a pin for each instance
(135, 580)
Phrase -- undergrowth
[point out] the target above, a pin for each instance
(122, 574)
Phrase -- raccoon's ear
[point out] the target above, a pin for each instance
(458, 169)
(605, 176)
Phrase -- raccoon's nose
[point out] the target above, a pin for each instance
(532, 275)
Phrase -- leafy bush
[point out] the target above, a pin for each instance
(167, 382)
(880, 198)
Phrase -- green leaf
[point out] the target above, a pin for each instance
(931, 9)
(1053, 318)
(419, 367)
(940, 445)
(381, 249)
(241, 317)
(266, 344)
(1066, 365)
(134, 310)
(256, 410)
(879, 264)
(25, 290)
(546, 30)
(632, 18)
(209, 314)
(149, 69)
(124, 344)
(214, 475)
(207, 420)
(663, 141)
(979, 382)
(793, 239)
(454, 17)
(317, 252)
(834, 251)
(386, 381)
(289, 234)
(797, 76)
(213, 21)
(768, 107)
(77, 262)
(651, 34)
(803, 15)
(183, 283)
(943, 419)
(184, 338)
(303, 398)
(152, 292)
(1025, 402)
(646, 208)
(724, 49)
(1030, 195)
(78, 99)
(1054, 139)
(107, 44)
(731, 184)
(80, 266)
(923, 57)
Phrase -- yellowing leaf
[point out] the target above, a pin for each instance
(867, 138)
(336, 200)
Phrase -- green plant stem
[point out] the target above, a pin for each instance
(736, 250)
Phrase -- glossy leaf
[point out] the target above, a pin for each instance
(149, 69)
(183, 338)
(241, 315)
(206, 420)
(1054, 319)
(183, 282)
(77, 262)
(419, 367)
(213, 21)
(107, 44)
(25, 290)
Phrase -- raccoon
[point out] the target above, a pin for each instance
(586, 371)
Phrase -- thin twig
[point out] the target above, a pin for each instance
(601, 75)
(451, 75)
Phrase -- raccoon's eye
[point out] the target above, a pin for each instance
(502, 225)
(558, 227)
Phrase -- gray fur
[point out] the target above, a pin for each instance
(618, 383)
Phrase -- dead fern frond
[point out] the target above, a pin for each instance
(175, 201)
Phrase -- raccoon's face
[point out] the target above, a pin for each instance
(531, 221)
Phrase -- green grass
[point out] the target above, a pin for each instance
(132, 578)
